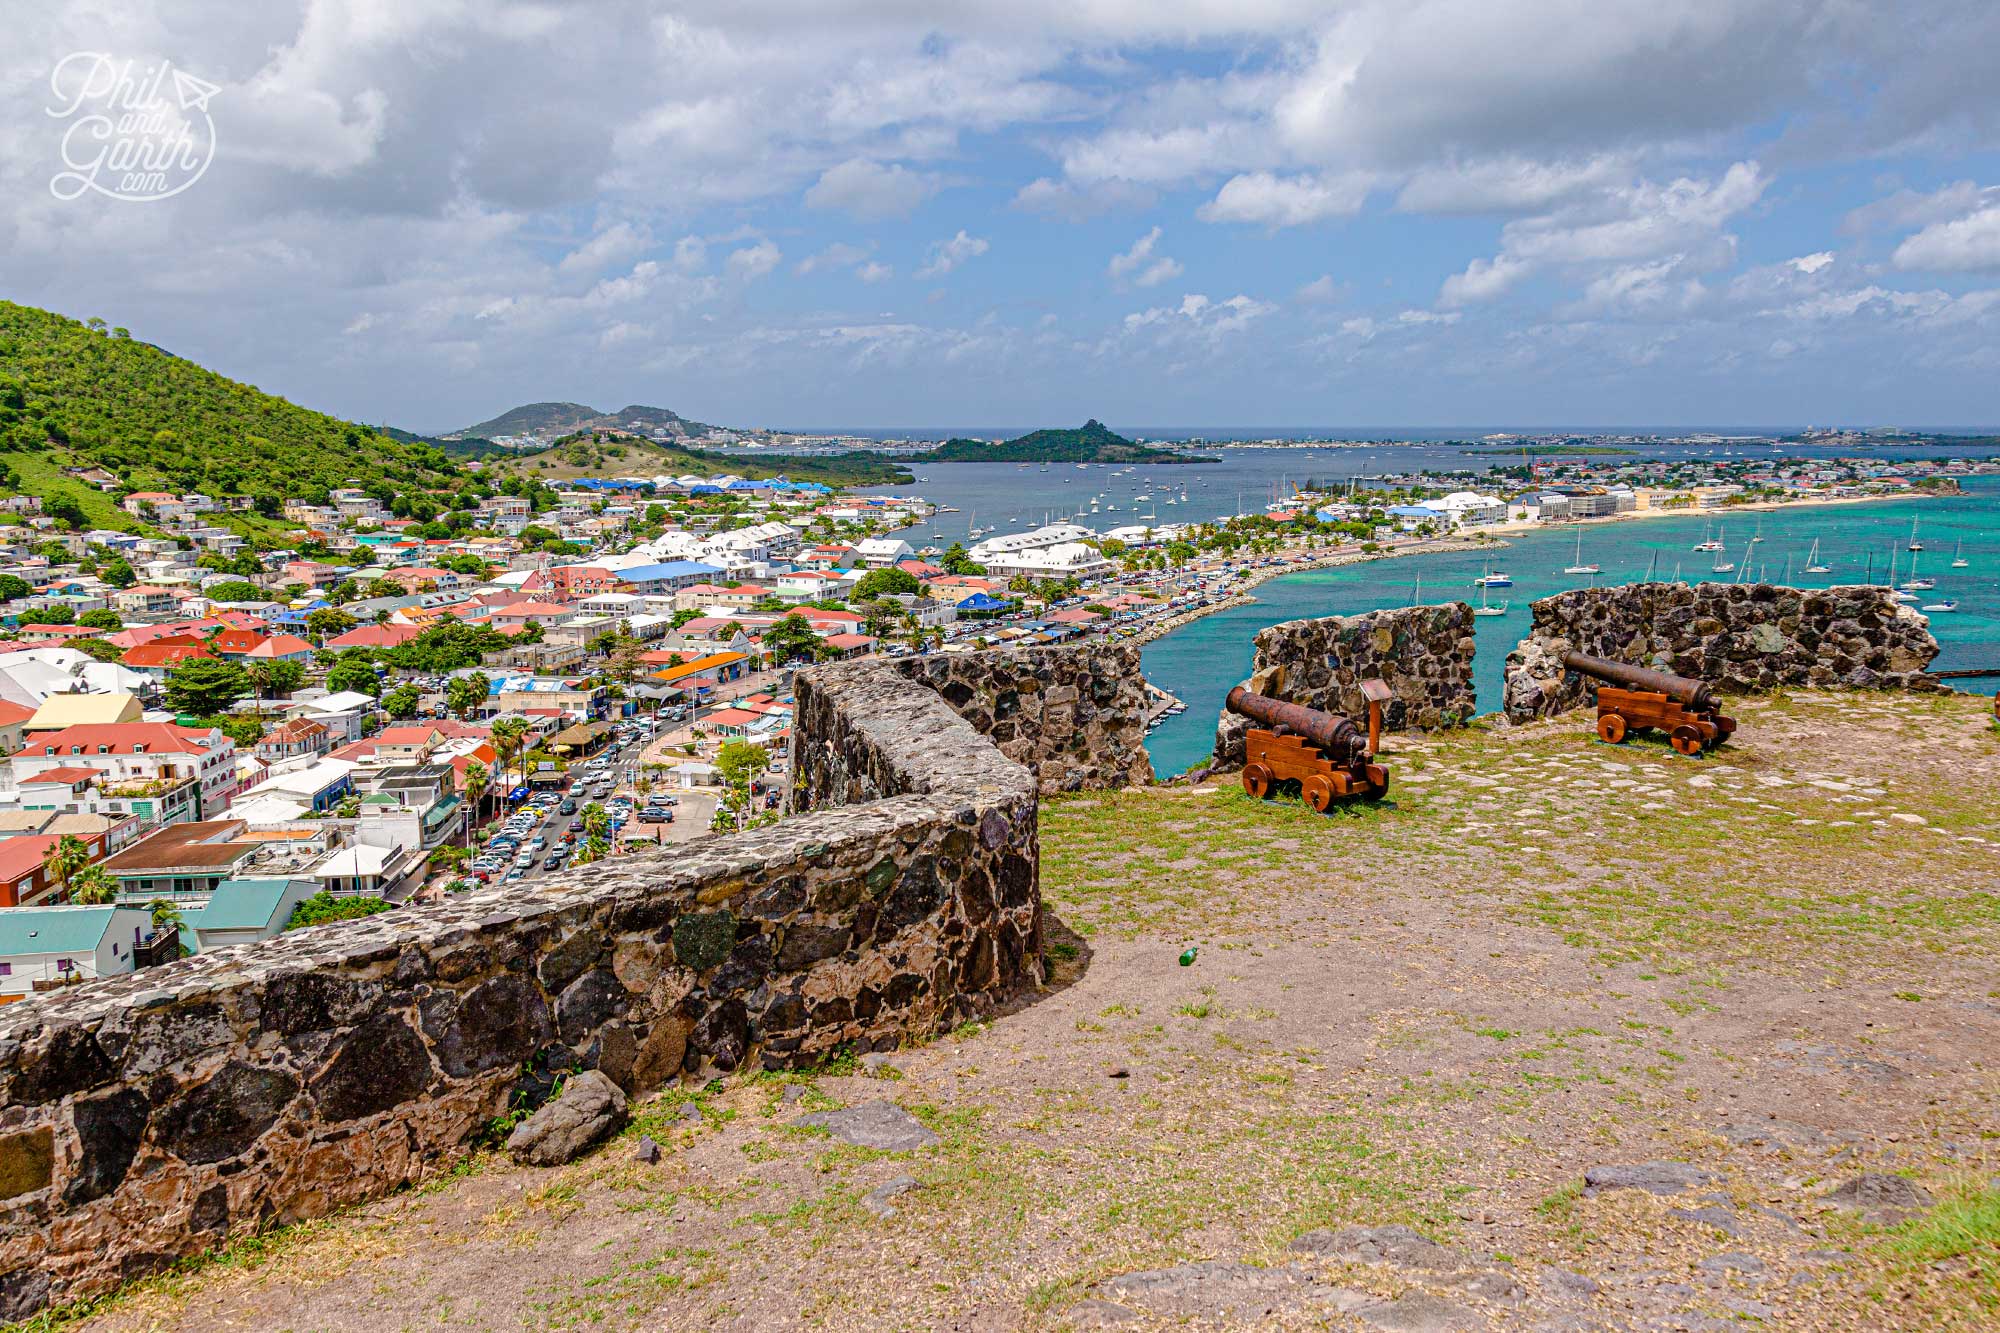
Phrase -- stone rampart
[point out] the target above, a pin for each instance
(1075, 716)
(1741, 638)
(1423, 654)
(149, 1117)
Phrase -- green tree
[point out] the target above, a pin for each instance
(235, 590)
(13, 586)
(740, 761)
(92, 886)
(47, 615)
(329, 622)
(103, 618)
(464, 693)
(384, 588)
(350, 674)
(275, 677)
(62, 859)
(119, 573)
(401, 702)
(477, 781)
(323, 907)
(882, 582)
(205, 686)
(596, 820)
(509, 739)
(165, 914)
(792, 637)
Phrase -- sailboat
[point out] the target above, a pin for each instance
(1896, 593)
(1707, 543)
(1915, 545)
(1724, 565)
(1417, 594)
(1579, 567)
(1916, 584)
(1813, 566)
(1958, 560)
(1485, 608)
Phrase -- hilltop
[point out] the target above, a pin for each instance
(76, 395)
(545, 419)
(1093, 442)
(591, 454)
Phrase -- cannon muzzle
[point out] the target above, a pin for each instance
(1336, 736)
(1688, 693)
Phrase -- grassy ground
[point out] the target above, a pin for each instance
(1541, 955)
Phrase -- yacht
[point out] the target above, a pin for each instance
(1813, 566)
(1707, 543)
(1492, 580)
(1958, 560)
(1940, 608)
(1579, 567)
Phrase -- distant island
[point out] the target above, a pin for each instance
(1093, 442)
(548, 420)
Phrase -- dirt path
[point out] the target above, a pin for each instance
(1772, 971)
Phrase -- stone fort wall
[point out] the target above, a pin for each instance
(147, 1118)
(1742, 638)
(1423, 654)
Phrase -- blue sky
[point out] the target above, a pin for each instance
(1183, 212)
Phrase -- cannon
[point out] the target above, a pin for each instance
(1326, 754)
(1636, 698)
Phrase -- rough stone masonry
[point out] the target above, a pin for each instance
(150, 1117)
(1423, 654)
(1741, 638)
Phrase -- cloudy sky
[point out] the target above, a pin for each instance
(1021, 212)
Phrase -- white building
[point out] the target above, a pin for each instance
(1055, 534)
(1470, 509)
(1065, 560)
(50, 944)
(881, 552)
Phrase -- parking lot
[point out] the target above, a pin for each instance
(541, 835)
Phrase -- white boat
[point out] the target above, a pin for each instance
(1579, 567)
(1723, 567)
(1490, 580)
(1813, 566)
(1486, 608)
(1915, 545)
(1707, 543)
(1940, 608)
(1958, 560)
(1919, 585)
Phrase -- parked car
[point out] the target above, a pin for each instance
(576, 826)
(568, 807)
(651, 816)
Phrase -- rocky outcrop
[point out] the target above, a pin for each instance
(1075, 716)
(149, 1117)
(1741, 638)
(1423, 654)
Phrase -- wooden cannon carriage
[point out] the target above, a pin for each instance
(1325, 753)
(1638, 698)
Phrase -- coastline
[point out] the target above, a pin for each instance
(1720, 513)
(1240, 596)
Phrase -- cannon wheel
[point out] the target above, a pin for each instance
(1318, 791)
(1378, 783)
(1687, 739)
(1257, 780)
(1611, 728)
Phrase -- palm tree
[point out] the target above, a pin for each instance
(63, 859)
(596, 821)
(92, 886)
(166, 916)
(510, 737)
(476, 781)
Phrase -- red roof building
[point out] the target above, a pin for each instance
(155, 659)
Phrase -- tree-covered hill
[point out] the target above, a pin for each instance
(1093, 442)
(80, 395)
(609, 454)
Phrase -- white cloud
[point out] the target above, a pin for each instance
(1812, 263)
(1963, 245)
(754, 261)
(1196, 315)
(874, 272)
(838, 255)
(1506, 184)
(1077, 202)
(1142, 265)
(948, 255)
(1320, 291)
(1285, 201)
(872, 191)
(614, 244)
(1483, 280)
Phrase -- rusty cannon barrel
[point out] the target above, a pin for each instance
(1336, 736)
(1688, 693)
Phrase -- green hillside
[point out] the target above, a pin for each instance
(606, 455)
(530, 418)
(76, 395)
(1093, 442)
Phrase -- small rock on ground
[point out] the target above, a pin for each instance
(879, 1200)
(646, 1150)
(1398, 1246)
(1653, 1177)
(1421, 1312)
(1875, 1192)
(590, 1108)
(884, 1126)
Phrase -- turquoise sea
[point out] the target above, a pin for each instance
(1199, 662)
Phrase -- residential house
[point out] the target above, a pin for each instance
(293, 738)
(138, 759)
(44, 948)
(244, 911)
(883, 552)
(157, 658)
